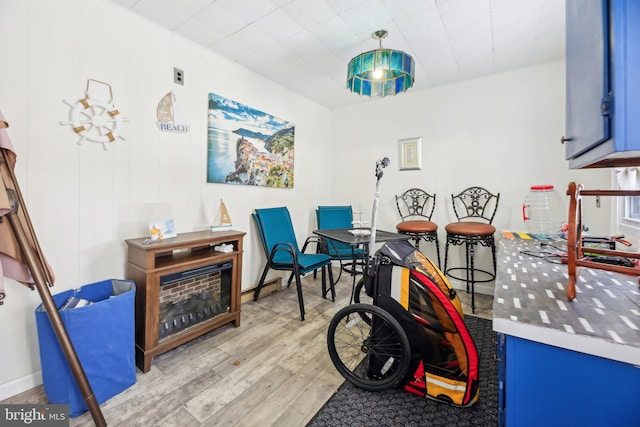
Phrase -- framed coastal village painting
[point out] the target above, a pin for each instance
(247, 146)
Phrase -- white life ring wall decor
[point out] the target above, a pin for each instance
(95, 120)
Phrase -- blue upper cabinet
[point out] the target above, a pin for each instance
(588, 88)
(603, 83)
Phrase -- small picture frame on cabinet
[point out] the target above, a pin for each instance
(410, 153)
(161, 224)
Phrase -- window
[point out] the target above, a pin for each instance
(631, 208)
(628, 219)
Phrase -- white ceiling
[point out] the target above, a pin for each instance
(305, 45)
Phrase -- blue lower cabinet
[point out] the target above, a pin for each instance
(543, 385)
(502, 370)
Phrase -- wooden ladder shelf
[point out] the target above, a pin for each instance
(575, 256)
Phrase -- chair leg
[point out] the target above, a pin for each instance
(331, 284)
(437, 249)
(323, 275)
(473, 280)
(468, 252)
(256, 293)
(493, 253)
(296, 273)
(446, 255)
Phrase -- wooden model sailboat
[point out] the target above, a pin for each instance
(222, 220)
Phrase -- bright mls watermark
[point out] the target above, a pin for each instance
(34, 415)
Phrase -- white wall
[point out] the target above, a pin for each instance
(501, 132)
(85, 201)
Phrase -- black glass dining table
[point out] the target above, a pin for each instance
(358, 238)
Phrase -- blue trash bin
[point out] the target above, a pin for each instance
(102, 334)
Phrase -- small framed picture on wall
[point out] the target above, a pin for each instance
(410, 153)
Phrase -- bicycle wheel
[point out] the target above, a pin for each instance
(360, 296)
(371, 355)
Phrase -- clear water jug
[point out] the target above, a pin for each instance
(543, 211)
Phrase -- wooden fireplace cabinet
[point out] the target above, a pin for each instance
(148, 263)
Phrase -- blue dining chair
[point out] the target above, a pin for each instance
(332, 217)
(282, 251)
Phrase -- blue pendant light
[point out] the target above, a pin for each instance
(380, 72)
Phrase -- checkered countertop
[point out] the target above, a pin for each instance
(530, 302)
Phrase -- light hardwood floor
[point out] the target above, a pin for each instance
(273, 370)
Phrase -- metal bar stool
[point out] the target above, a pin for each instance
(475, 209)
(416, 207)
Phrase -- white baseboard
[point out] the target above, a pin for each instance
(20, 385)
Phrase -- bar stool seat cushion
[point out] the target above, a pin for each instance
(470, 228)
(416, 226)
